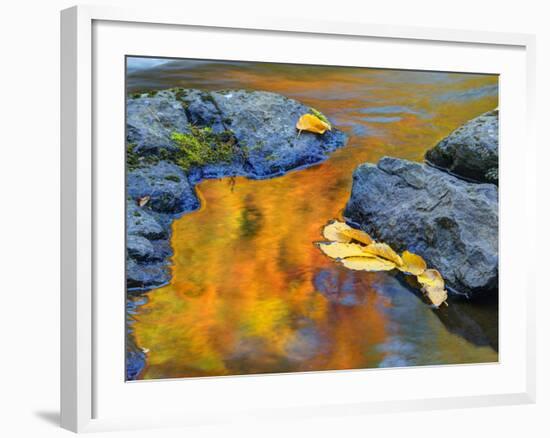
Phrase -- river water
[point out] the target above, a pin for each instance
(250, 293)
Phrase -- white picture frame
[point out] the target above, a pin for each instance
(83, 370)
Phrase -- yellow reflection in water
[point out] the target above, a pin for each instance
(250, 293)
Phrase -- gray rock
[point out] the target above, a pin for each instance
(150, 121)
(166, 184)
(142, 222)
(265, 123)
(141, 276)
(471, 151)
(201, 109)
(141, 249)
(450, 222)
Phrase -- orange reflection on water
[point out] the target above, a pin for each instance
(251, 293)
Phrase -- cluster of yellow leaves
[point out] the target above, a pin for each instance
(312, 123)
(356, 250)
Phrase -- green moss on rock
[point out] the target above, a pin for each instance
(202, 146)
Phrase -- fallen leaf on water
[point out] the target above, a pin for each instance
(372, 264)
(431, 278)
(337, 231)
(359, 236)
(412, 263)
(143, 200)
(311, 123)
(356, 250)
(340, 250)
(437, 295)
(384, 251)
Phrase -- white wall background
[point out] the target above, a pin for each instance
(29, 205)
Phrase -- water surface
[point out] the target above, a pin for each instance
(250, 293)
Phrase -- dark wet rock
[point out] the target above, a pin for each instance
(135, 356)
(450, 222)
(142, 222)
(471, 151)
(141, 249)
(201, 109)
(150, 121)
(142, 276)
(167, 186)
(135, 363)
(265, 123)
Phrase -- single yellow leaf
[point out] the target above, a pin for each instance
(337, 231)
(311, 123)
(381, 250)
(412, 263)
(321, 116)
(367, 264)
(358, 235)
(339, 250)
(431, 278)
(437, 295)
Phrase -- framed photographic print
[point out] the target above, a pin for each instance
(336, 224)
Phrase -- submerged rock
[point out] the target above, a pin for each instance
(471, 151)
(450, 222)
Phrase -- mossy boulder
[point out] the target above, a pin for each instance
(262, 123)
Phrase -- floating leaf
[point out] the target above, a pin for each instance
(337, 231)
(372, 264)
(143, 201)
(339, 250)
(311, 123)
(384, 251)
(359, 236)
(431, 278)
(412, 263)
(437, 295)
(356, 250)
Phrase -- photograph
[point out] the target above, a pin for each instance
(278, 220)
(290, 218)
